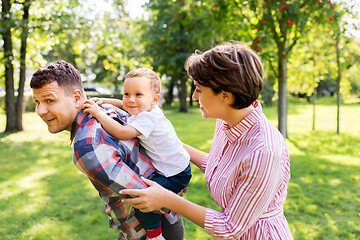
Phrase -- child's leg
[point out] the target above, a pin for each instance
(175, 183)
(151, 223)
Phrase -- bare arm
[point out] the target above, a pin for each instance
(110, 125)
(113, 101)
(156, 197)
(196, 156)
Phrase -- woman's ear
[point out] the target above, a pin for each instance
(227, 97)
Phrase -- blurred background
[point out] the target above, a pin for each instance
(309, 48)
(311, 55)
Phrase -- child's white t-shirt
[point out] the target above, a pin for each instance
(160, 141)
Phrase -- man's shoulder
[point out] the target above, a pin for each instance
(89, 131)
(116, 113)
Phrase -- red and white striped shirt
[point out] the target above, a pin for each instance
(247, 171)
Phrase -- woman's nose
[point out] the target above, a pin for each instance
(195, 95)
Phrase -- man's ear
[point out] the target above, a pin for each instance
(77, 96)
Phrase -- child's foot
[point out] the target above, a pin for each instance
(160, 237)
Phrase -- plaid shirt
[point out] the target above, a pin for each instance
(112, 165)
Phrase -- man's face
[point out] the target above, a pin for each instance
(55, 107)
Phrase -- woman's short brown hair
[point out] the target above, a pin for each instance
(155, 81)
(230, 67)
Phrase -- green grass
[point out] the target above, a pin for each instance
(43, 196)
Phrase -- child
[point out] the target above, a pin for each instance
(156, 133)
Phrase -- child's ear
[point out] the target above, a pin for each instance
(157, 98)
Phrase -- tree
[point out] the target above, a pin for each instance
(278, 25)
(116, 45)
(341, 40)
(53, 30)
(175, 29)
(310, 62)
(14, 106)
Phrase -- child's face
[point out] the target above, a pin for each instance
(138, 95)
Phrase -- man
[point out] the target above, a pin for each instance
(110, 164)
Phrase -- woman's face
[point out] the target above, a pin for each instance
(211, 105)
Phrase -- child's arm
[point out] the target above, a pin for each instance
(113, 101)
(110, 125)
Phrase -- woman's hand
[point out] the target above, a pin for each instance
(147, 200)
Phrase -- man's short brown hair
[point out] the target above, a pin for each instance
(65, 74)
(231, 67)
(148, 73)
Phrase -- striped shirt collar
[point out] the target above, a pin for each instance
(233, 133)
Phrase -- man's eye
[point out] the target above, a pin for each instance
(197, 90)
(126, 94)
(49, 101)
(138, 94)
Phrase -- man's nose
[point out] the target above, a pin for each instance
(41, 109)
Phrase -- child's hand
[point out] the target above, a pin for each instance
(97, 100)
(92, 107)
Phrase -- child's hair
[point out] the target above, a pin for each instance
(65, 74)
(148, 73)
(231, 67)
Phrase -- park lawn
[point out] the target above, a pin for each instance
(44, 196)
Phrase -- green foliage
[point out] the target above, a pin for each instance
(174, 31)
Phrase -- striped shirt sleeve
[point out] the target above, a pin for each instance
(256, 186)
(204, 163)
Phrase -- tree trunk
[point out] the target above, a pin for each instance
(183, 94)
(314, 100)
(282, 104)
(338, 79)
(314, 109)
(9, 68)
(22, 76)
(169, 97)
(191, 93)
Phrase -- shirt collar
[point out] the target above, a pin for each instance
(79, 117)
(233, 133)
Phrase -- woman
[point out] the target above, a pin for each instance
(248, 166)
